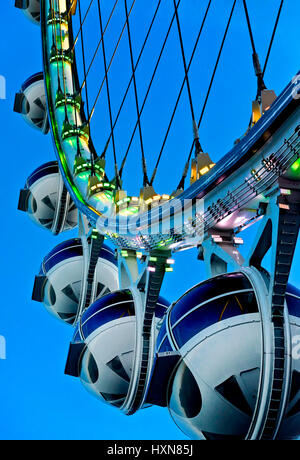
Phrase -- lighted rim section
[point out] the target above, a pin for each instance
(281, 109)
(85, 205)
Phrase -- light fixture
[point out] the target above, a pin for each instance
(69, 131)
(267, 99)
(170, 261)
(151, 269)
(100, 190)
(256, 112)
(238, 240)
(82, 168)
(284, 191)
(217, 238)
(201, 165)
(284, 206)
(99, 167)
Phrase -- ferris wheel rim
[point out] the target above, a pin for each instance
(193, 192)
(84, 207)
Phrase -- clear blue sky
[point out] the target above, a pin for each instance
(37, 400)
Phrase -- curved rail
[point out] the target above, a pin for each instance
(135, 233)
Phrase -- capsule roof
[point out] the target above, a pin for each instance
(37, 77)
(72, 248)
(44, 170)
(213, 301)
(113, 306)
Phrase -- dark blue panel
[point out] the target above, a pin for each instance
(165, 346)
(293, 303)
(73, 359)
(65, 254)
(293, 290)
(33, 79)
(72, 248)
(163, 369)
(208, 290)
(44, 170)
(61, 246)
(162, 333)
(213, 312)
(293, 306)
(108, 254)
(161, 308)
(104, 302)
(107, 315)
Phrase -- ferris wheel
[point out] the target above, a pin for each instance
(220, 357)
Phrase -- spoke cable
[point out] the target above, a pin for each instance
(181, 183)
(54, 43)
(145, 176)
(135, 67)
(149, 88)
(72, 5)
(98, 45)
(139, 109)
(108, 95)
(180, 93)
(273, 36)
(62, 59)
(81, 24)
(256, 63)
(110, 63)
(259, 90)
(196, 139)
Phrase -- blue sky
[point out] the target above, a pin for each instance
(37, 400)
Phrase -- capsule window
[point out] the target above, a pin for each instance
(116, 366)
(165, 346)
(184, 395)
(213, 312)
(221, 285)
(89, 368)
(231, 391)
(293, 303)
(31, 205)
(295, 384)
(49, 295)
(107, 315)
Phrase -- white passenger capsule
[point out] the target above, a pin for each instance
(103, 349)
(31, 9)
(59, 283)
(46, 200)
(30, 102)
(210, 382)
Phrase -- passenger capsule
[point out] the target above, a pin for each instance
(106, 340)
(46, 200)
(59, 283)
(31, 9)
(208, 363)
(30, 102)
